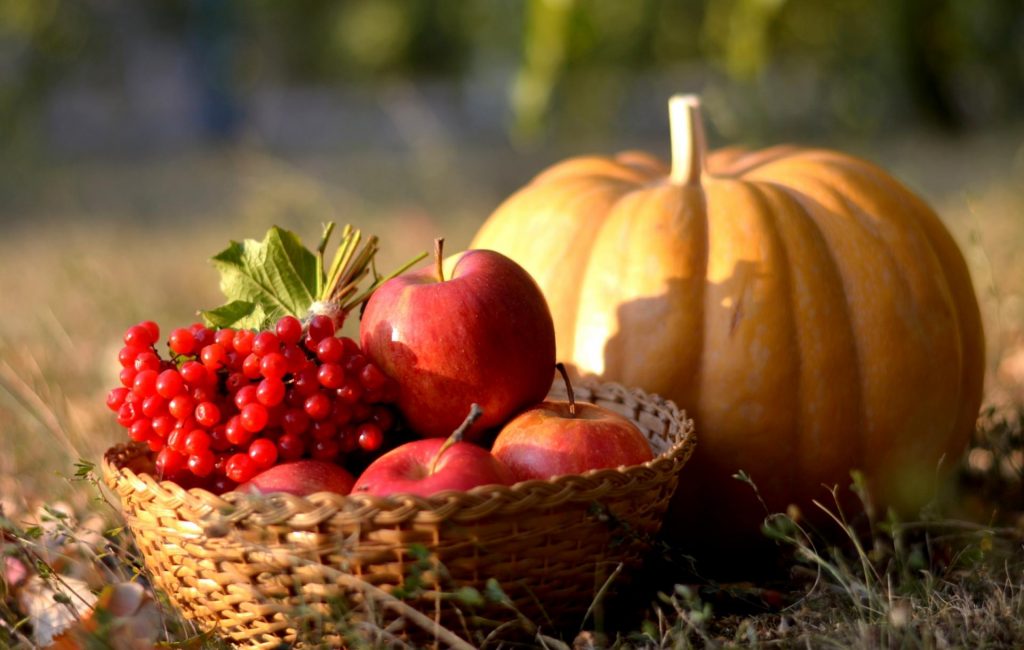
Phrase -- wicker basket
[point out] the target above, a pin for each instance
(263, 571)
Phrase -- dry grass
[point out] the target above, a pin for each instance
(73, 279)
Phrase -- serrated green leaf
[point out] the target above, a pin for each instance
(238, 314)
(278, 275)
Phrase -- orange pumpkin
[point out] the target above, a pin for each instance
(811, 313)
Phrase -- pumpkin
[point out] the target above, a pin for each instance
(811, 313)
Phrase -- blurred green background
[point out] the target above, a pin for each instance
(139, 136)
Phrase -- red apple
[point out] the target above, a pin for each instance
(425, 467)
(556, 438)
(301, 477)
(483, 335)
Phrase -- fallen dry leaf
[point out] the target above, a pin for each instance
(40, 600)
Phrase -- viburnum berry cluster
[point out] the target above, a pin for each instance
(227, 404)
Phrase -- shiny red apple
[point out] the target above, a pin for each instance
(301, 477)
(484, 335)
(569, 437)
(425, 467)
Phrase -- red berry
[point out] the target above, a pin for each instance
(350, 391)
(163, 425)
(222, 484)
(246, 395)
(240, 468)
(147, 360)
(242, 343)
(274, 415)
(219, 437)
(273, 365)
(383, 418)
(317, 406)
(156, 445)
(349, 440)
(325, 450)
(127, 376)
(354, 364)
(115, 398)
(144, 384)
(235, 382)
(181, 406)
(295, 358)
(203, 335)
(289, 330)
(207, 414)
(372, 377)
(141, 430)
(176, 440)
(169, 463)
(324, 430)
(341, 413)
(270, 392)
(201, 463)
(330, 349)
(263, 452)
(169, 383)
(351, 347)
(265, 343)
(295, 421)
(290, 447)
(128, 354)
(197, 440)
(225, 338)
(251, 366)
(153, 329)
(153, 406)
(306, 382)
(182, 341)
(193, 372)
(138, 336)
(320, 327)
(370, 436)
(203, 394)
(214, 356)
(331, 375)
(235, 433)
(254, 417)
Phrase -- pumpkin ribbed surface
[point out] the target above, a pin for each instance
(812, 313)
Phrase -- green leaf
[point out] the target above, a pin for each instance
(237, 313)
(277, 276)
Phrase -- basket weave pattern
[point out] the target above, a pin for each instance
(267, 570)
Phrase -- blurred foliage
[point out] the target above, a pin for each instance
(849, 64)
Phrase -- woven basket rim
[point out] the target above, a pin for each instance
(279, 507)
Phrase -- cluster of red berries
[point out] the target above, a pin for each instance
(231, 403)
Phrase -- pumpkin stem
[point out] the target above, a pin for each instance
(439, 258)
(688, 142)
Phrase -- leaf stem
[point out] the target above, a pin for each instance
(394, 274)
(320, 279)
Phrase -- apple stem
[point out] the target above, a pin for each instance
(439, 258)
(474, 414)
(568, 387)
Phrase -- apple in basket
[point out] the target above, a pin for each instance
(425, 467)
(301, 478)
(566, 437)
(483, 335)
